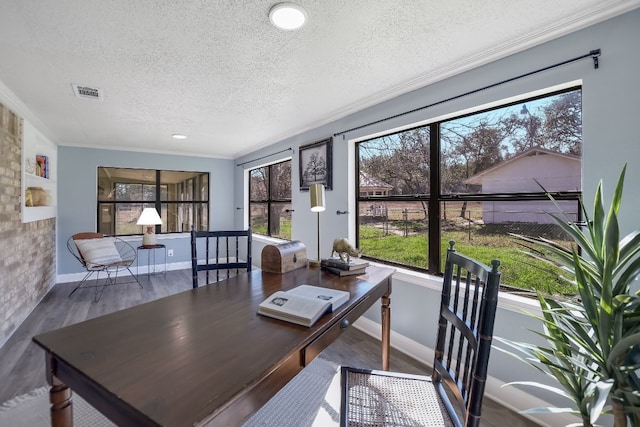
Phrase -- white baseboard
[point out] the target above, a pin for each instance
(76, 277)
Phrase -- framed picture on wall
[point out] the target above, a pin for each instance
(316, 164)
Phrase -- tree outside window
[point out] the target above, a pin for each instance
(270, 200)
(473, 179)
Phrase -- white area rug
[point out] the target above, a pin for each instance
(312, 398)
(32, 410)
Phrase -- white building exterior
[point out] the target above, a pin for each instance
(526, 172)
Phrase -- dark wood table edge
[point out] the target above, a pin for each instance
(382, 292)
(61, 396)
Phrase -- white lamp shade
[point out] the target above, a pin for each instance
(316, 193)
(149, 217)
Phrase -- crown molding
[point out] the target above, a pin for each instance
(15, 104)
(588, 17)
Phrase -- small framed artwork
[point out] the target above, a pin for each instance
(316, 164)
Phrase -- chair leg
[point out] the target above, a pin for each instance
(135, 277)
(98, 293)
(111, 279)
(79, 285)
(100, 289)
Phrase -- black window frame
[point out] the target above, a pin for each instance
(435, 197)
(270, 200)
(157, 203)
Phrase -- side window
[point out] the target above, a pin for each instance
(181, 199)
(474, 179)
(270, 200)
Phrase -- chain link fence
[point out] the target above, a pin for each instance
(475, 219)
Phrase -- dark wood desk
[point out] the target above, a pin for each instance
(200, 357)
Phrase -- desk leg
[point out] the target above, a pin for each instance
(59, 396)
(61, 406)
(386, 331)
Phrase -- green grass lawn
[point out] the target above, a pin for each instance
(518, 269)
(259, 226)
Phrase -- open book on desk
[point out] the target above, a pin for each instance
(303, 305)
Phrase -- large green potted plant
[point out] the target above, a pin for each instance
(589, 339)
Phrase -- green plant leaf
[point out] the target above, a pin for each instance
(535, 384)
(549, 410)
(587, 339)
(596, 228)
(616, 201)
(600, 395)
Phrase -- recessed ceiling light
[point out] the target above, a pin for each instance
(178, 136)
(287, 16)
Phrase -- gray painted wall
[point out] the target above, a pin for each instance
(77, 193)
(610, 114)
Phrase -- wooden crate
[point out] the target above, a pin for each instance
(284, 257)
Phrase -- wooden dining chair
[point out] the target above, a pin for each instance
(465, 328)
(226, 251)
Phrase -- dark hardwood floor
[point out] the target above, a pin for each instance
(22, 362)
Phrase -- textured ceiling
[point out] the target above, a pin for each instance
(218, 72)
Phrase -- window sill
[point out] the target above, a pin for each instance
(506, 300)
(268, 240)
(159, 237)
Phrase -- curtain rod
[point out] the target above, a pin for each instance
(264, 157)
(594, 54)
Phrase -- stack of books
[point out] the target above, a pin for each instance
(42, 166)
(342, 268)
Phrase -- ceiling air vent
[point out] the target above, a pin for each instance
(86, 92)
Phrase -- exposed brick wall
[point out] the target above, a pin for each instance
(27, 251)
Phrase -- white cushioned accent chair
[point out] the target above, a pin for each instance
(99, 253)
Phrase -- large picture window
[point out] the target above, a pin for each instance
(181, 199)
(270, 200)
(474, 179)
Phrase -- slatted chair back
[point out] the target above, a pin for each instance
(465, 330)
(223, 250)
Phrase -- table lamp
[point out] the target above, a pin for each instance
(316, 193)
(150, 219)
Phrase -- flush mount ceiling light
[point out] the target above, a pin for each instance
(178, 136)
(287, 16)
